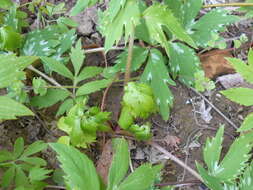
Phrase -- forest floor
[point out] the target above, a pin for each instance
(194, 116)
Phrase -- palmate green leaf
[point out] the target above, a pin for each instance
(18, 147)
(38, 174)
(10, 109)
(6, 155)
(247, 123)
(183, 62)
(11, 68)
(157, 16)
(120, 163)
(52, 97)
(88, 72)
(93, 86)
(212, 22)
(142, 178)
(58, 67)
(243, 69)
(126, 20)
(232, 165)
(79, 169)
(77, 57)
(35, 147)
(241, 96)
(210, 181)
(8, 177)
(157, 76)
(212, 151)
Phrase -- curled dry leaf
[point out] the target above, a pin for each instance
(172, 141)
(105, 160)
(214, 63)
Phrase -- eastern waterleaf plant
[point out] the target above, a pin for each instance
(138, 102)
(82, 124)
(22, 169)
(78, 76)
(234, 171)
(80, 173)
(241, 95)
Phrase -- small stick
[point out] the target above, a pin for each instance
(175, 159)
(229, 5)
(215, 108)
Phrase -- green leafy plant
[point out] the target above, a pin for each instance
(82, 124)
(21, 169)
(242, 96)
(224, 174)
(80, 172)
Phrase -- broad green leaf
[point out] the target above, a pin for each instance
(183, 62)
(88, 72)
(212, 22)
(157, 16)
(93, 86)
(78, 168)
(250, 58)
(11, 68)
(38, 174)
(20, 177)
(8, 176)
(34, 148)
(10, 109)
(212, 151)
(120, 163)
(241, 96)
(243, 69)
(190, 10)
(65, 107)
(58, 67)
(176, 8)
(232, 164)
(210, 181)
(127, 18)
(5, 4)
(247, 123)
(18, 147)
(138, 58)
(39, 86)
(77, 57)
(157, 76)
(10, 40)
(142, 178)
(81, 5)
(114, 7)
(52, 97)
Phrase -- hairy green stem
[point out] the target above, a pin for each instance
(129, 58)
(229, 5)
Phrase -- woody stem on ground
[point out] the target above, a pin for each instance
(229, 5)
(129, 57)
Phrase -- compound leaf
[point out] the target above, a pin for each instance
(241, 96)
(79, 169)
(35, 147)
(18, 147)
(183, 62)
(89, 72)
(52, 97)
(120, 163)
(77, 56)
(157, 76)
(10, 109)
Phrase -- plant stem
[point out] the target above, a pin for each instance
(95, 50)
(129, 57)
(229, 5)
(175, 159)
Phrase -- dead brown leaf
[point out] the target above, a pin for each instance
(214, 63)
(172, 141)
(104, 161)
